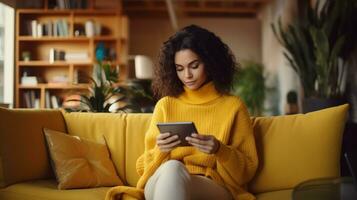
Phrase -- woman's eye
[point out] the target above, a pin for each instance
(179, 69)
(195, 66)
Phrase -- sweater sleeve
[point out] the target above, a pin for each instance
(237, 160)
(152, 156)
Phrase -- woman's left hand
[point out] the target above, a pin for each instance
(205, 143)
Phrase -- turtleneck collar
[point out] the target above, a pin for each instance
(204, 94)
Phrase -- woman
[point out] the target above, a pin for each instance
(193, 80)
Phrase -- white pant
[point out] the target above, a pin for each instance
(172, 181)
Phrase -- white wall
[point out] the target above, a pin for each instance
(281, 75)
(8, 13)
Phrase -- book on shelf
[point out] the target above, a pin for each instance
(71, 4)
(34, 28)
(77, 57)
(47, 99)
(30, 99)
(54, 101)
(58, 27)
(56, 55)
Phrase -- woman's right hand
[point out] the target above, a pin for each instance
(166, 142)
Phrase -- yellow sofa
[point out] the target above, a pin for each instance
(291, 149)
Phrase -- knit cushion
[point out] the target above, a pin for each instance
(80, 163)
(295, 148)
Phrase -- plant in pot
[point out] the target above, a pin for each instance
(140, 96)
(249, 85)
(318, 44)
(103, 95)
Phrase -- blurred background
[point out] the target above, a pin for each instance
(296, 55)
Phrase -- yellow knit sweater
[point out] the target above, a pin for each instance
(223, 116)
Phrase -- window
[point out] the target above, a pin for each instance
(7, 66)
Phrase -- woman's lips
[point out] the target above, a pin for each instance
(190, 83)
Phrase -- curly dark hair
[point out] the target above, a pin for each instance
(220, 63)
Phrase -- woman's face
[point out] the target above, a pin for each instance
(190, 69)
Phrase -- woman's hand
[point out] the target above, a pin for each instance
(205, 143)
(166, 142)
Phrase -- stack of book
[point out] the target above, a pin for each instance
(50, 28)
(31, 99)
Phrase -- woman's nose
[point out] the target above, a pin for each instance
(188, 73)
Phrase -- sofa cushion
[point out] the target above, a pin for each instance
(47, 190)
(93, 126)
(23, 154)
(137, 125)
(80, 163)
(294, 148)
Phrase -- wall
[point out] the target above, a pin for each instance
(280, 75)
(243, 36)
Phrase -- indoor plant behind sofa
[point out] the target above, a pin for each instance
(290, 150)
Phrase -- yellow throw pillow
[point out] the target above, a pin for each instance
(80, 163)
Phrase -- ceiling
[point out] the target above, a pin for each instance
(207, 8)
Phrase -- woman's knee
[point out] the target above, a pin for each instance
(173, 167)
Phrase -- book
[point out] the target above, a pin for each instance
(47, 99)
(34, 28)
(54, 101)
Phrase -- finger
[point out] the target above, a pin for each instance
(203, 147)
(167, 140)
(170, 145)
(162, 136)
(200, 136)
(199, 141)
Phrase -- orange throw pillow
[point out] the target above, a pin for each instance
(79, 163)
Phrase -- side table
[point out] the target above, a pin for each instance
(342, 188)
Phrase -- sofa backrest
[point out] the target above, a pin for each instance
(291, 149)
(295, 148)
(23, 154)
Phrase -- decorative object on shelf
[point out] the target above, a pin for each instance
(27, 80)
(318, 44)
(249, 84)
(89, 28)
(26, 56)
(100, 52)
(92, 28)
(103, 94)
(292, 103)
(144, 67)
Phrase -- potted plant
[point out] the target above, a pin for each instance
(318, 47)
(249, 85)
(103, 93)
(140, 96)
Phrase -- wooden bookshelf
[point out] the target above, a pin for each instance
(41, 32)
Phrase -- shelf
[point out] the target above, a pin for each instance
(41, 63)
(114, 35)
(55, 86)
(68, 38)
(68, 11)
